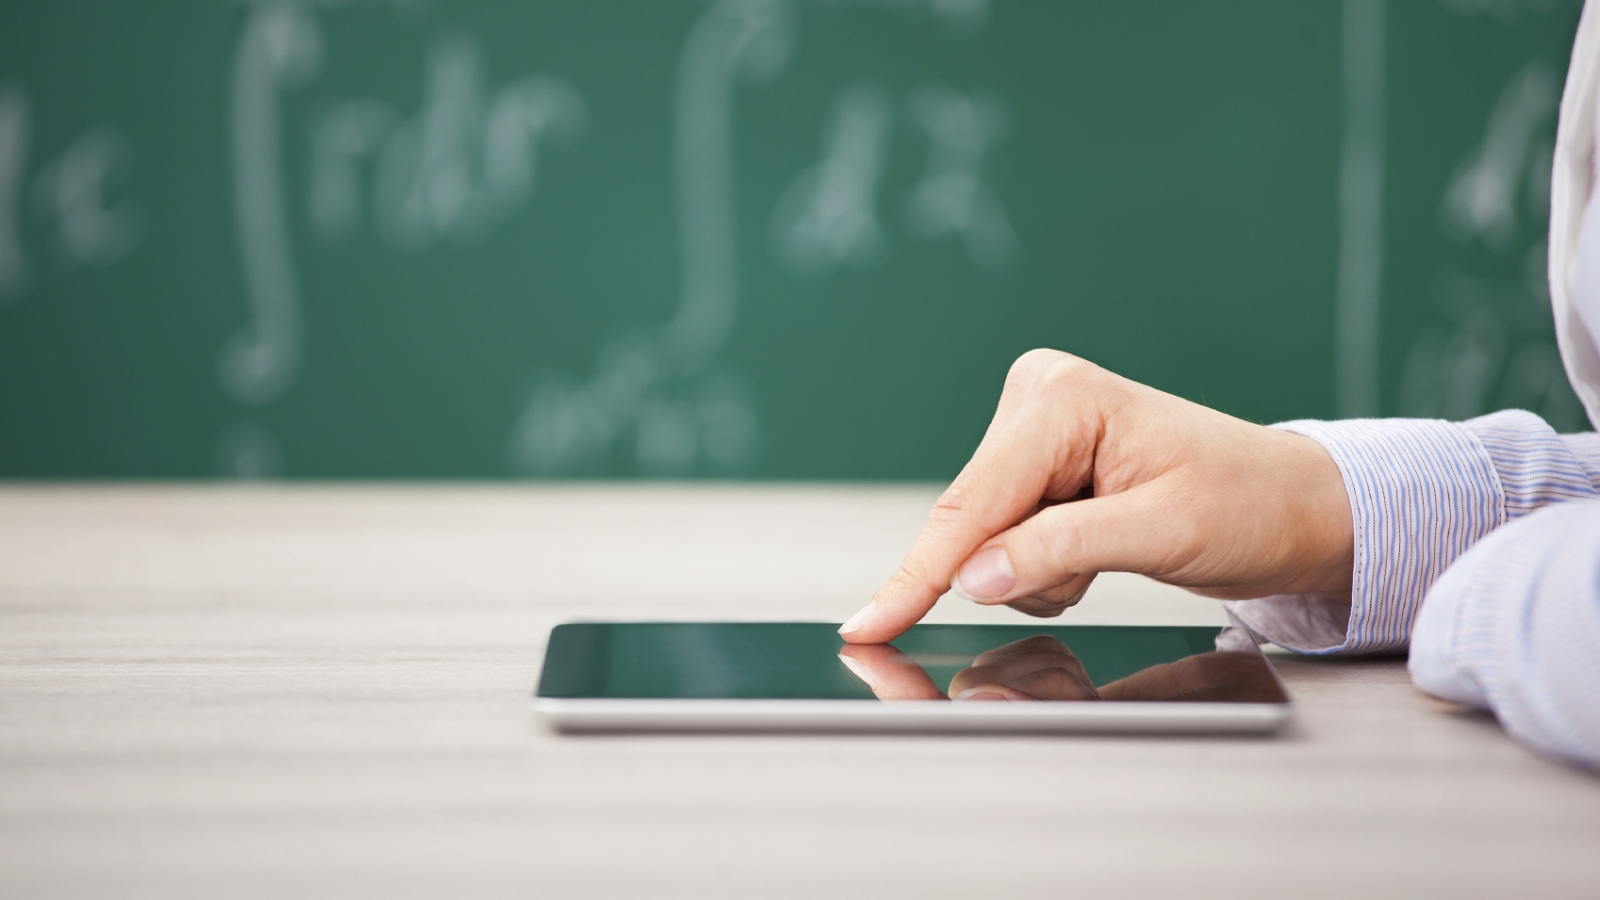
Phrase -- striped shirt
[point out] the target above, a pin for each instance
(1477, 544)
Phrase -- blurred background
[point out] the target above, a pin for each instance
(779, 239)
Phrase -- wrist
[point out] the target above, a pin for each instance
(1321, 517)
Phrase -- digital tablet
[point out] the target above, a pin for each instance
(800, 676)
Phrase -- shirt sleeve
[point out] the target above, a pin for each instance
(1586, 447)
(1422, 493)
(1514, 626)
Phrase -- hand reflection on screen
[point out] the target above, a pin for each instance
(1043, 668)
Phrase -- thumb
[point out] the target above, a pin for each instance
(1128, 532)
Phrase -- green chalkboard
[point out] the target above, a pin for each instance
(748, 238)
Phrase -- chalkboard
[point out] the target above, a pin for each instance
(748, 238)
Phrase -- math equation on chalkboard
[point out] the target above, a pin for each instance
(749, 238)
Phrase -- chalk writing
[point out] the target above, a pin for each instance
(13, 165)
(828, 216)
(72, 191)
(454, 170)
(463, 163)
(71, 197)
(280, 48)
(952, 199)
(665, 390)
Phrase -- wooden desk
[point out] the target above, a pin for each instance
(323, 691)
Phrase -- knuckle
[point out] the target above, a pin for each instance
(1068, 372)
(1029, 366)
(907, 578)
(1053, 372)
(951, 506)
(1061, 546)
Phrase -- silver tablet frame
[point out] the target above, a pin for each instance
(605, 715)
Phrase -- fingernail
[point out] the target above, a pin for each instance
(856, 669)
(986, 576)
(857, 621)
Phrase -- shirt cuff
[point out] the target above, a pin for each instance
(1421, 492)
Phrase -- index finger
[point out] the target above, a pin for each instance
(978, 505)
(1005, 479)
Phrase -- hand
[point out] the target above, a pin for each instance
(1083, 472)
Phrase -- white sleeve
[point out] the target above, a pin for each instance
(1514, 626)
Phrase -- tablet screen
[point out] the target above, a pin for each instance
(808, 660)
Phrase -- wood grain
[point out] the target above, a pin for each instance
(322, 691)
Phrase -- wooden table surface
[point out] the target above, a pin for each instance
(323, 691)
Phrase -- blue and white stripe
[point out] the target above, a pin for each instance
(1534, 466)
(1515, 626)
(1421, 493)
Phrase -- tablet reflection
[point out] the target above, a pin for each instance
(1041, 667)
